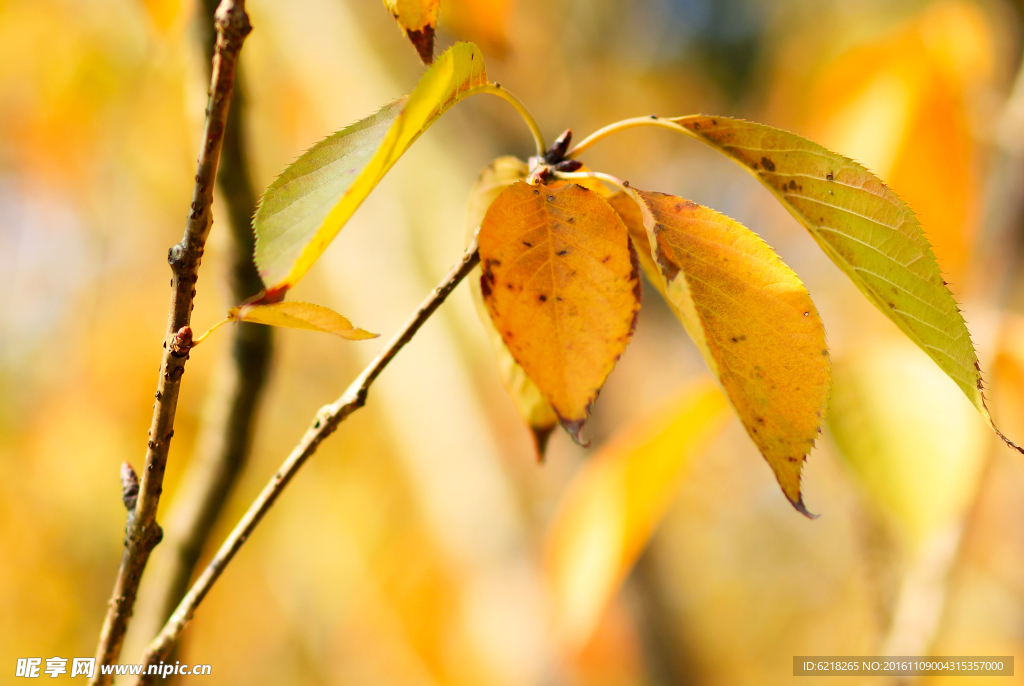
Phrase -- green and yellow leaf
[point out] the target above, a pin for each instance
(418, 19)
(299, 315)
(750, 316)
(529, 403)
(865, 228)
(305, 208)
(562, 289)
(614, 504)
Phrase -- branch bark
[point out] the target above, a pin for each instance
(326, 421)
(224, 443)
(142, 531)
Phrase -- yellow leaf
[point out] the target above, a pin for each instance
(627, 206)
(562, 288)
(305, 208)
(749, 314)
(614, 503)
(299, 315)
(418, 19)
(531, 405)
(866, 229)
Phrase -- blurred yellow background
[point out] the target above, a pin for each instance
(423, 544)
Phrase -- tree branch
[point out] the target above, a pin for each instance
(223, 446)
(327, 420)
(142, 531)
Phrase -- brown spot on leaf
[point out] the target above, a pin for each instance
(487, 281)
(768, 164)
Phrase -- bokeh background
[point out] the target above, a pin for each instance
(423, 544)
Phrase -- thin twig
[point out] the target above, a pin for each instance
(224, 442)
(142, 531)
(327, 420)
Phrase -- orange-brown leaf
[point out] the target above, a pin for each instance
(561, 286)
(751, 317)
(532, 407)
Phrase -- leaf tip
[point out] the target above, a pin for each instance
(1007, 441)
(423, 41)
(541, 436)
(357, 334)
(988, 416)
(573, 428)
(798, 504)
(268, 297)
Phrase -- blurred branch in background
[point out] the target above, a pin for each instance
(326, 422)
(225, 438)
(143, 533)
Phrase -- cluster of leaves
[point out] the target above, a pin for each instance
(561, 249)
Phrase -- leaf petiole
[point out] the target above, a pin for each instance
(200, 339)
(624, 125)
(496, 89)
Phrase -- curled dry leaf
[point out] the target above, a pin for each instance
(299, 315)
(531, 405)
(305, 208)
(750, 316)
(418, 19)
(616, 500)
(866, 229)
(561, 285)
